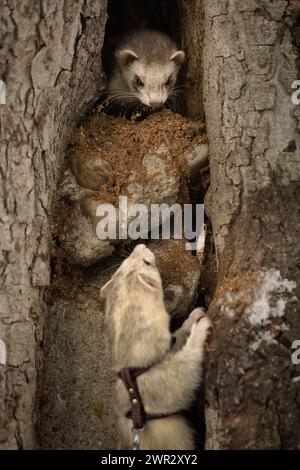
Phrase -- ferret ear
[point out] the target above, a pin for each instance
(148, 283)
(125, 57)
(178, 57)
(106, 289)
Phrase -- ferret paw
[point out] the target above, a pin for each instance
(91, 173)
(194, 317)
(199, 333)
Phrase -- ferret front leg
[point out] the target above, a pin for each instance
(184, 331)
(169, 386)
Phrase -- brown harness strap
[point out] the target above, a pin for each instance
(148, 417)
(137, 412)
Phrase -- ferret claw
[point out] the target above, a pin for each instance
(199, 332)
(193, 318)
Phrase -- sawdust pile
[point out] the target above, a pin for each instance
(121, 144)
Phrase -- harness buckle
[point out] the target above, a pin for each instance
(136, 438)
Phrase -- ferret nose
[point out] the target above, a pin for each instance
(140, 248)
(156, 104)
(143, 252)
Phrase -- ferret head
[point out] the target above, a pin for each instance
(149, 63)
(136, 320)
(138, 273)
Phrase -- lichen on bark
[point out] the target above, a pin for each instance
(249, 66)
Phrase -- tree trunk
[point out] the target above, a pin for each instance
(192, 31)
(51, 64)
(50, 61)
(249, 66)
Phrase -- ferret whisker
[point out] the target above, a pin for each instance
(132, 80)
(122, 93)
(177, 90)
(122, 101)
(120, 97)
(181, 85)
(175, 94)
(113, 267)
(136, 336)
(125, 97)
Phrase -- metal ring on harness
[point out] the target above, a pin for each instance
(137, 412)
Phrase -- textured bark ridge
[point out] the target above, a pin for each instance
(50, 62)
(192, 31)
(249, 65)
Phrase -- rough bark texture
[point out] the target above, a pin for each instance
(191, 14)
(76, 406)
(249, 65)
(50, 62)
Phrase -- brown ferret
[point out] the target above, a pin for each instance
(138, 335)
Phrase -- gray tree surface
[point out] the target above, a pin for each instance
(242, 61)
(50, 60)
(250, 63)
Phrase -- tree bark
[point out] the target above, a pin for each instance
(192, 32)
(50, 60)
(249, 64)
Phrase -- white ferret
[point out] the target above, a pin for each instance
(145, 69)
(138, 336)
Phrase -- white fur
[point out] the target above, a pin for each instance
(152, 58)
(138, 336)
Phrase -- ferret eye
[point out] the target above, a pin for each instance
(147, 262)
(139, 82)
